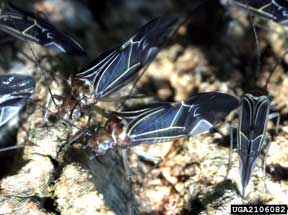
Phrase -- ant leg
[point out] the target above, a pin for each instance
(268, 141)
(146, 156)
(277, 116)
(126, 164)
(230, 152)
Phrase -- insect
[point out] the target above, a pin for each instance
(276, 10)
(15, 90)
(252, 134)
(27, 26)
(118, 66)
(161, 122)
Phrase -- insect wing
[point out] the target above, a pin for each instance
(186, 118)
(117, 67)
(251, 133)
(152, 36)
(14, 91)
(15, 23)
(142, 110)
(276, 10)
(210, 108)
(155, 126)
(25, 25)
(215, 106)
(92, 72)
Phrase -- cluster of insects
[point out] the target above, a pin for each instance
(121, 65)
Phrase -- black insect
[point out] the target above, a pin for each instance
(252, 134)
(27, 26)
(15, 90)
(116, 67)
(276, 10)
(166, 122)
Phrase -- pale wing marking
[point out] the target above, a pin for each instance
(143, 119)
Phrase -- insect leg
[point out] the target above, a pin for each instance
(81, 134)
(230, 152)
(12, 148)
(268, 141)
(277, 116)
(146, 156)
(89, 109)
(126, 164)
(45, 118)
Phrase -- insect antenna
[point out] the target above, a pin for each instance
(275, 11)
(258, 50)
(42, 70)
(277, 63)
